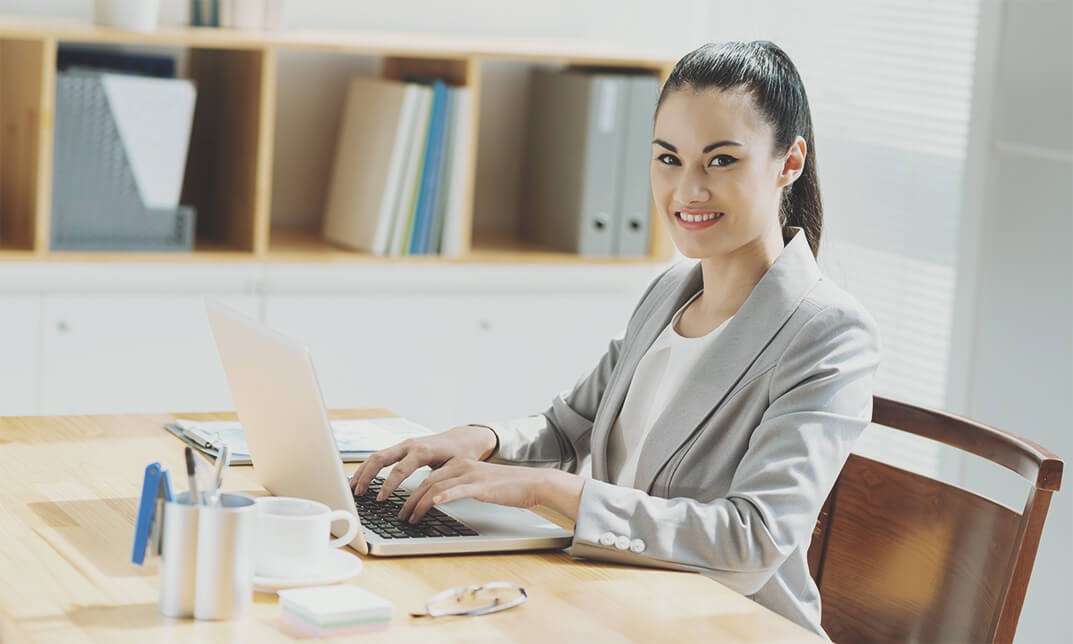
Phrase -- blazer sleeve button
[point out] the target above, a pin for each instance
(637, 545)
(607, 539)
(622, 542)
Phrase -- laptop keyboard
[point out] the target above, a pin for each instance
(382, 517)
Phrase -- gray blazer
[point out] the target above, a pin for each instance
(734, 472)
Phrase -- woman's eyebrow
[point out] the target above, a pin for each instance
(708, 148)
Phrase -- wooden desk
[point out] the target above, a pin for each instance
(68, 490)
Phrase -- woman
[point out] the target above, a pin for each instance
(718, 424)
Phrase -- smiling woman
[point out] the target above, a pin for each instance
(719, 422)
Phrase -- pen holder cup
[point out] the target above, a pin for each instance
(207, 557)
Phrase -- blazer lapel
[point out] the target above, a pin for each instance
(666, 304)
(775, 297)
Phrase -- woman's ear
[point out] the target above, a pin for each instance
(794, 162)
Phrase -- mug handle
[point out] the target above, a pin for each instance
(352, 531)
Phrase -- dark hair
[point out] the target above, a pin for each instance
(768, 74)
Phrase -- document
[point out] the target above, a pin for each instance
(356, 438)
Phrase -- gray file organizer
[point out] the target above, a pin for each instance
(574, 144)
(633, 224)
(96, 201)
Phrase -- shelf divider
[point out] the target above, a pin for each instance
(28, 86)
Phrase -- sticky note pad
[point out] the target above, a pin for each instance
(335, 610)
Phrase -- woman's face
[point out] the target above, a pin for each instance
(713, 163)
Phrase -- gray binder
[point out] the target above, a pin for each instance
(633, 217)
(574, 144)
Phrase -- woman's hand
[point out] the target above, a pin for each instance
(514, 485)
(467, 442)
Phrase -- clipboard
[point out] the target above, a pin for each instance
(207, 448)
(356, 438)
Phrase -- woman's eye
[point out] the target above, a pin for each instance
(722, 160)
(667, 159)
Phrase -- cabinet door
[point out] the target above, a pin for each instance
(124, 353)
(521, 350)
(20, 344)
(395, 351)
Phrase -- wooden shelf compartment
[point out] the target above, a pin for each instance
(229, 173)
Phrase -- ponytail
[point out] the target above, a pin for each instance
(801, 203)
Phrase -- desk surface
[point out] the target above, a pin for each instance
(68, 489)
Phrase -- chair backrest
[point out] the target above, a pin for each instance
(902, 557)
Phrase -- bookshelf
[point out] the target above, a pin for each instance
(229, 170)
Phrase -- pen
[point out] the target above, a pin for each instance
(191, 473)
(222, 461)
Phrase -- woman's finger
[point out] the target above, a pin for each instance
(372, 465)
(418, 492)
(449, 470)
(407, 466)
(463, 491)
(456, 488)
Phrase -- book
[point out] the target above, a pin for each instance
(435, 237)
(205, 13)
(633, 215)
(574, 145)
(356, 439)
(460, 152)
(430, 174)
(404, 210)
(369, 162)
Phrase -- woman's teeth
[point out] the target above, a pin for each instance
(696, 218)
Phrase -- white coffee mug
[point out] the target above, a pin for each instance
(294, 536)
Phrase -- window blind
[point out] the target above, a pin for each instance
(890, 86)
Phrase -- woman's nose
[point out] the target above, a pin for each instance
(692, 187)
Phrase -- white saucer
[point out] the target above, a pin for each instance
(337, 565)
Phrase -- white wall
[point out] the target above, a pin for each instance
(1019, 375)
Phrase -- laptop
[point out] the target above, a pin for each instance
(280, 407)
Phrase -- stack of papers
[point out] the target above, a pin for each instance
(356, 439)
(325, 611)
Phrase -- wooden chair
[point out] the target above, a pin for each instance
(903, 557)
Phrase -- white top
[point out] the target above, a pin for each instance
(660, 373)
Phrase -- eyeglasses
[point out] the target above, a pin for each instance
(474, 600)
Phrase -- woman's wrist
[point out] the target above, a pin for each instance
(487, 441)
(560, 491)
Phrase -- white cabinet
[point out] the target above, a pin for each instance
(523, 349)
(132, 353)
(386, 350)
(20, 342)
(448, 358)
(443, 345)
